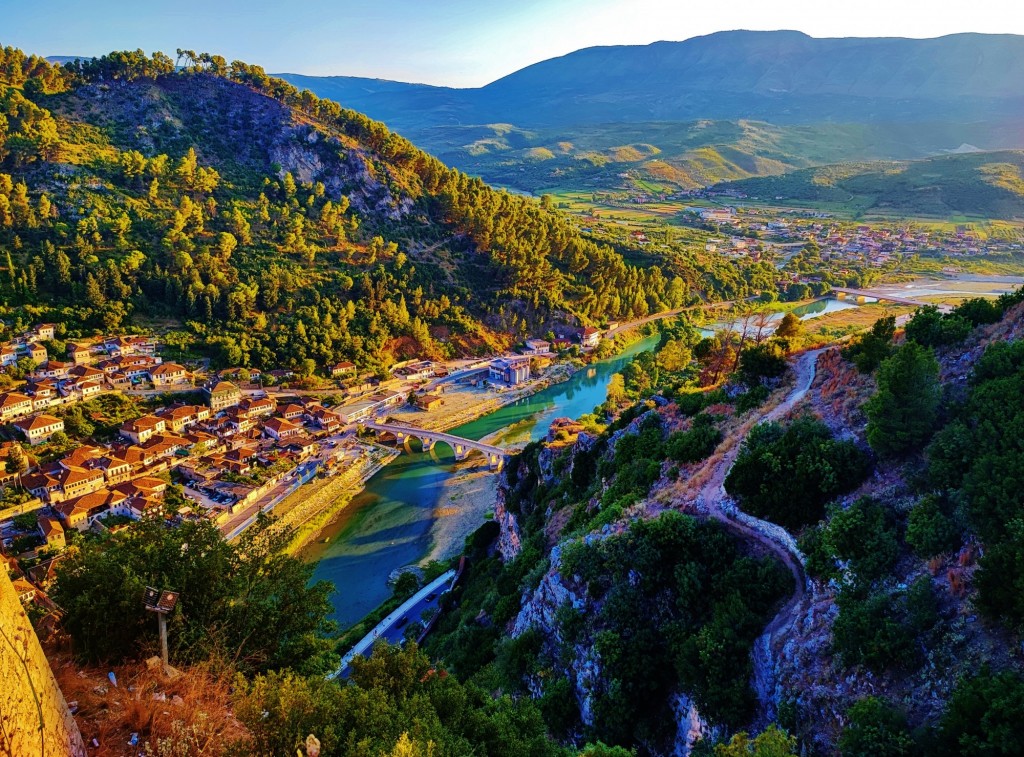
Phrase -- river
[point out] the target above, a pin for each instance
(387, 526)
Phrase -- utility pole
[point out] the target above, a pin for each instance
(162, 602)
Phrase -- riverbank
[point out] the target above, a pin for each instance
(313, 506)
(469, 495)
(466, 500)
(423, 505)
(465, 403)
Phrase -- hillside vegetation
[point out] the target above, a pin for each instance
(609, 591)
(273, 226)
(973, 184)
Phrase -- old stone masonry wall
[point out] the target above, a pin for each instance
(34, 718)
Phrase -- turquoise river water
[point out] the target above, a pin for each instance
(387, 526)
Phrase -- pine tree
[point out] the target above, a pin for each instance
(903, 412)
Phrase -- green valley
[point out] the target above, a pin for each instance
(651, 400)
(973, 186)
(673, 155)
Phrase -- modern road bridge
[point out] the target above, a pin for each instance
(864, 294)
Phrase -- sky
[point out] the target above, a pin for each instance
(459, 43)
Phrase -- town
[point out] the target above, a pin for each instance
(115, 433)
(726, 223)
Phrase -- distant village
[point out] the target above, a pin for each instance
(746, 231)
(874, 244)
(221, 446)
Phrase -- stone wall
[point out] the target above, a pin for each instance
(34, 718)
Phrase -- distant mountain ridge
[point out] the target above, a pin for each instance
(778, 76)
(730, 105)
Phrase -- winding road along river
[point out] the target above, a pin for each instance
(387, 526)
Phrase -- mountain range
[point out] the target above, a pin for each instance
(782, 76)
(777, 101)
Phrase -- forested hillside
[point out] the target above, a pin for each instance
(275, 227)
(633, 585)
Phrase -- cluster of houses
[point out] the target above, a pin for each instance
(228, 451)
(104, 365)
(874, 244)
(126, 360)
(209, 446)
(28, 345)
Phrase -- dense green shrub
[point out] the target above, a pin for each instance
(819, 560)
(870, 630)
(869, 350)
(762, 361)
(979, 311)
(771, 742)
(787, 474)
(930, 328)
(904, 410)
(249, 601)
(931, 529)
(396, 692)
(679, 606)
(864, 535)
(1000, 578)
(752, 398)
(985, 716)
(875, 728)
(696, 444)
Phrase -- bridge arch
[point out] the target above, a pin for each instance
(462, 448)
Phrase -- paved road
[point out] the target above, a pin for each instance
(244, 518)
(392, 628)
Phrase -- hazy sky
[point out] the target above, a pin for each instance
(454, 42)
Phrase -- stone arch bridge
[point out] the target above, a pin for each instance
(462, 447)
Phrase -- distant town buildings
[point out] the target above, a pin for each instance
(419, 370)
(536, 347)
(428, 401)
(353, 412)
(590, 337)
